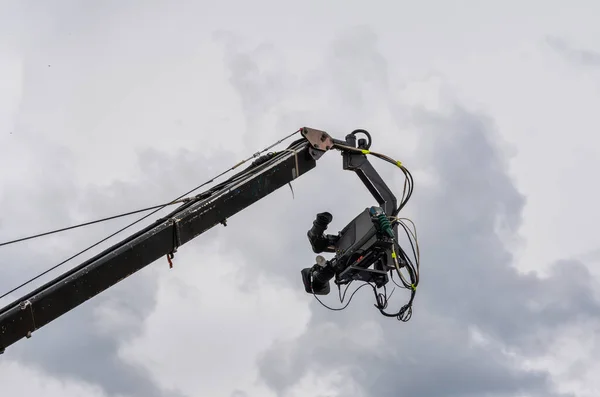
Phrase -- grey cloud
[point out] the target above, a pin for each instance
(258, 78)
(467, 275)
(326, 188)
(591, 256)
(78, 345)
(459, 218)
(572, 53)
(355, 57)
(467, 278)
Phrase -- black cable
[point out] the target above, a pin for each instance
(410, 180)
(382, 299)
(394, 281)
(74, 256)
(405, 312)
(85, 224)
(411, 244)
(414, 267)
(92, 246)
(410, 268)
(407, 174)
(255, 166)
(342, 297)
(189, 203)
(339, 308)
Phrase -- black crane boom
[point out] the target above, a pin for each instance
(64, 293)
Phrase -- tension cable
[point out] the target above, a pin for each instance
(156, 209)
(93, 222)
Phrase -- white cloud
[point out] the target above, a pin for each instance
(24, 381)
(213, 331)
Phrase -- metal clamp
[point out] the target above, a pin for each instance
(176, 242)
(23, 306)
(318, 139)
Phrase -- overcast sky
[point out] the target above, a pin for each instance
(111, 106)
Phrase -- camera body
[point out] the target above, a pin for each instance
(362, 252)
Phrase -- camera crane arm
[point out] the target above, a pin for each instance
(204, 211)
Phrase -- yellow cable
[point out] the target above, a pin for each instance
(414, 235)
(416, 240)
(397, 265)
(397, 163)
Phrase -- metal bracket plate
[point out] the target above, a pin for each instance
(319, 140)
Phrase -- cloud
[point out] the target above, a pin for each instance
(107, 327)
(43, 165)
(24, 382)
(469, 282)
(573, 54)
(40, 167)
(477, 319)
(86, 343)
